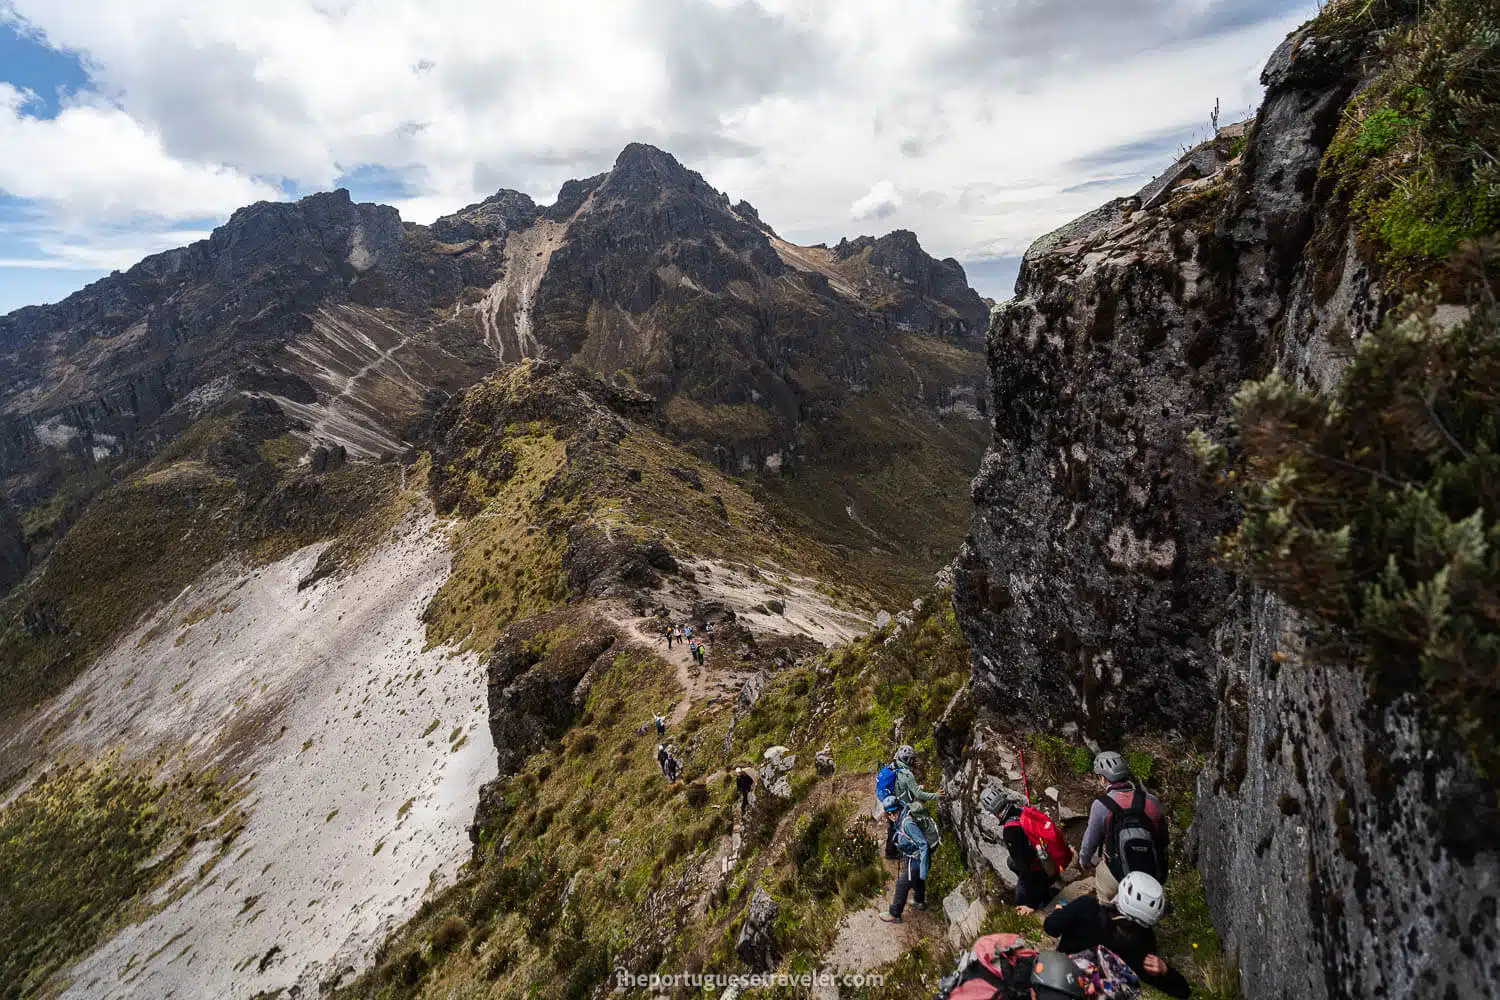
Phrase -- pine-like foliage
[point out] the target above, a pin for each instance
(1376, 510)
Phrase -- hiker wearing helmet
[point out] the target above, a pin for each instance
(1126, 928)
(1054, 976)
(916, 853)
(1127, 828)
(907, 789)
(1036, 883)
(897, 779)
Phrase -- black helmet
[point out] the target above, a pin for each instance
(1001, 802)
(1054, 975)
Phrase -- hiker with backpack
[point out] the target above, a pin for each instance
(916, 855)
(660, 722)
(1038, 851)
(1008, 967)
(896, 778)
(1125, 928)
(1127, 828)
(743, 783)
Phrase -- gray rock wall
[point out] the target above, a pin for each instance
(1342, 856)
(1344, 853)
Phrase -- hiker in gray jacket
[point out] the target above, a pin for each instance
(1125, 818)
(906, 788)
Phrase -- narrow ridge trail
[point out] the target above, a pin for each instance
(698, 683)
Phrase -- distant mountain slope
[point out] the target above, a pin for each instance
(765, 357)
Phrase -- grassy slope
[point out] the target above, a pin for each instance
(82, 849)
(141, 541)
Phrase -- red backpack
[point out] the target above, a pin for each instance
(997, 968)
(1052, 849)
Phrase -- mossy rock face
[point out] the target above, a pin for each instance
(536, 677)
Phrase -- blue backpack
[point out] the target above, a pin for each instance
(885, 782)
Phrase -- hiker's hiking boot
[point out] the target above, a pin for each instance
(890, 919)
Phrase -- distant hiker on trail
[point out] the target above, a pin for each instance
(743, 783)
(671, 634)
(1037, 849)
(708, 631)
(674, 768)
(916, 856)
(661, 723)
(662, 757)
(1128, 823)
(1126, 928)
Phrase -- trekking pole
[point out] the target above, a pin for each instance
(1025, 785)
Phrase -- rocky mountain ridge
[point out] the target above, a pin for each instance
(349, 318)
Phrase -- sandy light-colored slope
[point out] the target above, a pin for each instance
(361, 753)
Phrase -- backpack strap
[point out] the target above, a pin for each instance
(1137, 798)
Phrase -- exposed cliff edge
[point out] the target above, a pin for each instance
(1326, 822)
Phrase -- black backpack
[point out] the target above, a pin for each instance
(1132, 837)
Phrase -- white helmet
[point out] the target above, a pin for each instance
(1141, 899)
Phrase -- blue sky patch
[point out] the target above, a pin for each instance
(30, 65)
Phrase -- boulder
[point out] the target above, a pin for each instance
(750, 693)
(964, 916)
(776, 771)
(326, 458)
(689, 476)
(712, 611)
(756, 946)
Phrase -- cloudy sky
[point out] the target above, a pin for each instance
(130, 126)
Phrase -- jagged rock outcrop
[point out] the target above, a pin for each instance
(756, 945)
(538, 681)
(1372, 854)
(1087, 584)
(764, 356)
(1338, 842)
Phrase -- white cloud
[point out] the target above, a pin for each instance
(986, 116)
(93, 160)
(880, 202)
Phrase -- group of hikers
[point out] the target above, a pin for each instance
(1105, 939)
(671, 765)
(697, 647)
(669, 762)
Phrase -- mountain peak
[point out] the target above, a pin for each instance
(643, 170)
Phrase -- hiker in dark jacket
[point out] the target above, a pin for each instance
(1116, 785)
(1126, 928)
(1035, 885)
(743, 783)
(917, 855)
